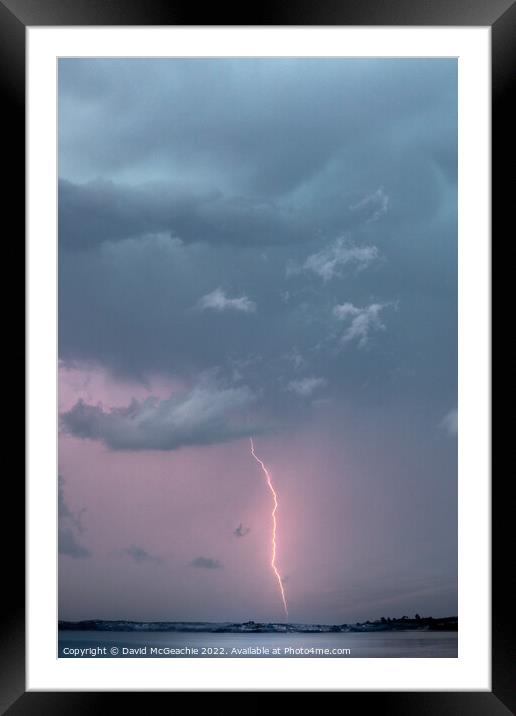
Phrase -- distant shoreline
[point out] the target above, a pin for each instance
(251, 627)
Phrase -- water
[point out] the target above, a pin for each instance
(95, 644)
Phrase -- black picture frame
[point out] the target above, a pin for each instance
(500, 16)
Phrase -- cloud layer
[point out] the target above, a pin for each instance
(222, 224)
(101, 211)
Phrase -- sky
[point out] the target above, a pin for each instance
(266, 249)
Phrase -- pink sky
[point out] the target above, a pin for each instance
(339, 559)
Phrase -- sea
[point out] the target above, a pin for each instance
(130, 644)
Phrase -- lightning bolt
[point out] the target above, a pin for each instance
(274, 525)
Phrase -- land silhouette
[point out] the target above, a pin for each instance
(404, 623)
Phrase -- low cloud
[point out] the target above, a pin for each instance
(69, 528)
(218, 301)
(450, 423)
(361, 321)
(329, 262)
(306, 386)
(139, 555)
(241, 531)
(205, 415)
(206, 563)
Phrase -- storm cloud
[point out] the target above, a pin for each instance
(231, 219)
(101, 210)
(199, 417)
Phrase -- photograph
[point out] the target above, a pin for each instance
(258, 252)
(257, 357)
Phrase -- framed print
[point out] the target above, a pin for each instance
(258, 366)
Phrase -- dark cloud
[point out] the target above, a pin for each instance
(139, 555)
(236, 204)
(69, 527)
(205, 563)
(101, 210)
(199, 417)
(267, 126)
(241, 531)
